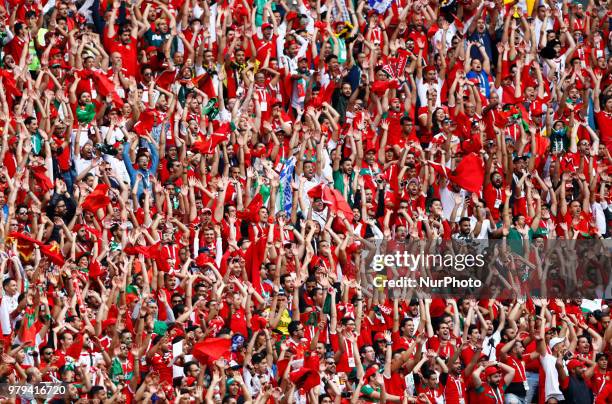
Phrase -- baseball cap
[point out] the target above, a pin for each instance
(555, 341)
(574, 363)
(491, 370)
(266, 25)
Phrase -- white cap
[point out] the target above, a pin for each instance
(555, 341)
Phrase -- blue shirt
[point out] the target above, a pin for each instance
(132, 172)
(483, 81)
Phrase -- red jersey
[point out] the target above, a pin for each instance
(162, 364)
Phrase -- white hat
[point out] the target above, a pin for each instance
(555, 341)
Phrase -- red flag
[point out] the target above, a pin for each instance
(254, 258)
(103, 85)
(306, 377)
(166, 78)
(40, 175)
(146, 120)
(333, 198)
(402, 59)
(10, 86)
(211, 349)
(148, 252)
(316, 192)
(204, 82)
(469, 173)
(25, 237)
(440, 169)
(54, 254)
(324, 95)
(341, 205)
(97, 198)
(379, 87)
(95, 270)
(107, 87)
(25, 244)
(208, 144)
(75, 349)
(251, 213)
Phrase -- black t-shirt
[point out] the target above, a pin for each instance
(577, 392)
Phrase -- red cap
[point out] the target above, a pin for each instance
(370, 372)
(574, 363)
(378, 336)
(491, 370)
(151, 49)
(430, 68)
(266, 25)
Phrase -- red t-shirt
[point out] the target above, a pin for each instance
(161, 364)
(238, 322)
(128, 52)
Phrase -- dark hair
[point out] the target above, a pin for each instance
(405, 119)
(95, 389)
(330, 57)
(464, 219)
(258, 357)
(404, 321)
(293, 326)
(187, 365)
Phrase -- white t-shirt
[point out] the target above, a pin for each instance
(422, 89)
(308, 185)
(447, 197)
(551, 384)
(81, 165)
(7, 306)
(118, 167)
(489, 343)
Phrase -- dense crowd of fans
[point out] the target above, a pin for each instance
(193, 191)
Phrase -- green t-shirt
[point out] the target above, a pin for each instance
(339, 184)
(367, 391)
(515, 240)
(118, 369)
